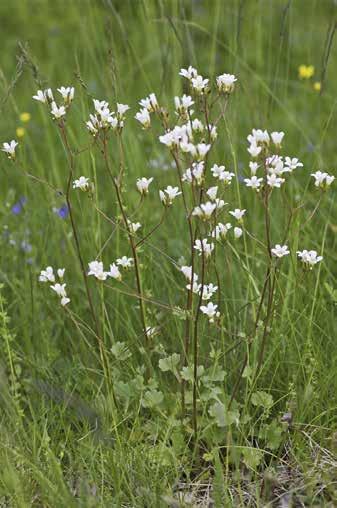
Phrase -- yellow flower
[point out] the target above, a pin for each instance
(306, 71)
(25, 117)
(317, 86)
(20, 132)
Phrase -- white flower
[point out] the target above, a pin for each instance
(182, 104)
(275, 165)
(226, 82)
(96, 269)
(220, 173)
(202, 150)
(143, 116)
(277, 137)
(309, 258)
(125, 262)
(205, 210)
(61, 292)
(178, 137)
(196, 173)
(322, 179)
(258, 137)
(199, 84)
(198, 169)
(203, 247)
(93, 125)
(221, 230)
(212, 192)
(237, 232)
(189, 73)
(210, 311)
(195, 287)
(9, 148)
(59, 289)
(188, 147)
(168, 195)
(187, 271)
(254, 150)
(253, 167)
(57, 112)
(274, 181)
(293, 163)
(82, 183)
(150, 103)
(67, 93)
(187, 176)
(197, 125)
(213, 132)
(319, 178)
(208, 291)
(44, 96)
(134, 226)
(280, 250)
(122, 109)
(143, 185)
(217, 170)
(226, 177)
(220, 203)
(64, 301)
(107, 119)
(60, 272)
(114, 272)
(238, 214)
(329, 179)
(254, 182)
(100, 106)
(47, 275)
(151, 331)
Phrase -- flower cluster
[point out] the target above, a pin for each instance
(322, 179)
(273, 166)
(148, 105)
(181, 137)
(309, 257)
(47, 97)
(103, 119)
(202, 184)
(48, 275)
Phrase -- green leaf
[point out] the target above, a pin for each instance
(252, 457)
(120, 351)
(124, 390)
(214, 375)
(169, 363)
(152, 398)
(262, 399)
(271, 434)
(187, 372)
(222, 417)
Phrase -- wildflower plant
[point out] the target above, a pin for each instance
(217, 227)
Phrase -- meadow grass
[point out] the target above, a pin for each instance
(64, 441)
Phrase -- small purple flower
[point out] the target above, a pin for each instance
(62, 212)
(18, 207)
(26, 246)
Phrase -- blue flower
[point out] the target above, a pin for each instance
(62, 212)
(26, 246)
(18, 207)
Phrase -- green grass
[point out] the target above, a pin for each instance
(63, 441)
